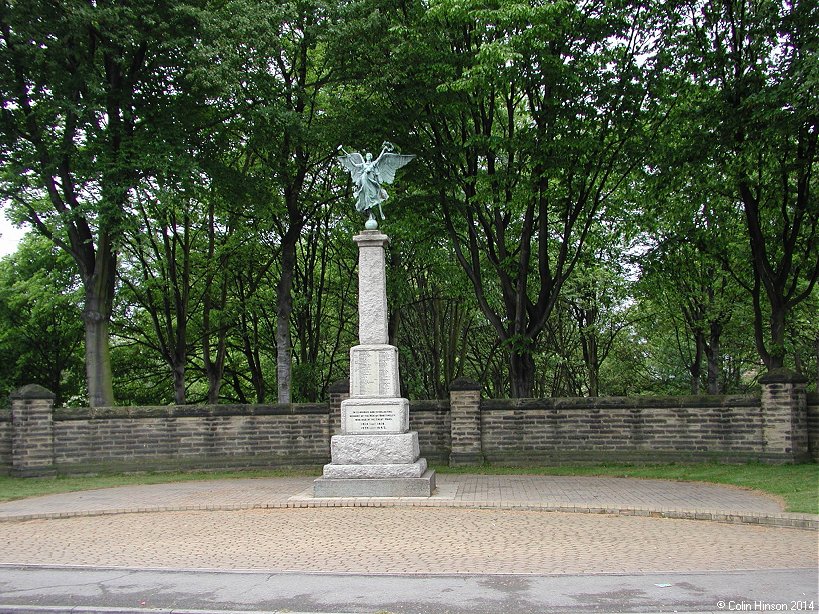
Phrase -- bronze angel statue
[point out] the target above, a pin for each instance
(369, 174)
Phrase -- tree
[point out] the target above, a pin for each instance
(749, 75)
(88, 92)
(529, 119)
(40, 320)
(273, 68)
(158, 274)
(598, 297)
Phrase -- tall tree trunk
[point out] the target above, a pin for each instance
(214, 367)
(712, 354)
(99, 294)
(284, 301)
(97, 352)
(521, 374)
(695, 369)
(592, 366)
(179, 384)
(776, 354)
(817, 362)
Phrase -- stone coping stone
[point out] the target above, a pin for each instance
(602, 403)
(429, 405)
(33, 391)
(462, 384)
(784, 376)
(339, 386)
(190, 411)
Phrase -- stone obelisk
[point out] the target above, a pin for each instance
(376, 455)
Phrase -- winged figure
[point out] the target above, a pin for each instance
(369, 174)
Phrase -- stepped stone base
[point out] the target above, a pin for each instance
(404, 470)
(376, 487)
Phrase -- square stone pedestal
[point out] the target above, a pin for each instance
(375, 465)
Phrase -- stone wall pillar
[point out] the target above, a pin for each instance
(32, 443)
(465, 431)
(785, 416)
(339, 391)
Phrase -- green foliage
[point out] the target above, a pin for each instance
(745, 119)
(41, 321)
(606, 194)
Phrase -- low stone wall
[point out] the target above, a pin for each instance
(780, 425)
(191, 436)
(432, 421)
(729, 428)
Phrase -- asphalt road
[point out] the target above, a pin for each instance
(98, 590)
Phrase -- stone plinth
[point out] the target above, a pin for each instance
(376, 487)
(375, 449)
(376, 455)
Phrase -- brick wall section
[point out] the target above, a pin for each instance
(784, 400)
(5, 441)
(725, 428)
(191, 436)
(431, 420)
(465, 406)
(812, 401)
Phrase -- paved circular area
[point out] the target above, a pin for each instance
(474, 524)
(404, 540)
(559, 493)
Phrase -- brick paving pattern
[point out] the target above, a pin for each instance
(474, 524)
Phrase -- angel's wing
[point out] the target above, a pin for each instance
(354, 163)
(389, 163)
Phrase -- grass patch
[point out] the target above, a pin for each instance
(796, 485)
(20, 488)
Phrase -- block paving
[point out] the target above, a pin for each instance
(472, 525)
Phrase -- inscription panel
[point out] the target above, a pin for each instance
(373, 420)
(365, 416)
(374, 372)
